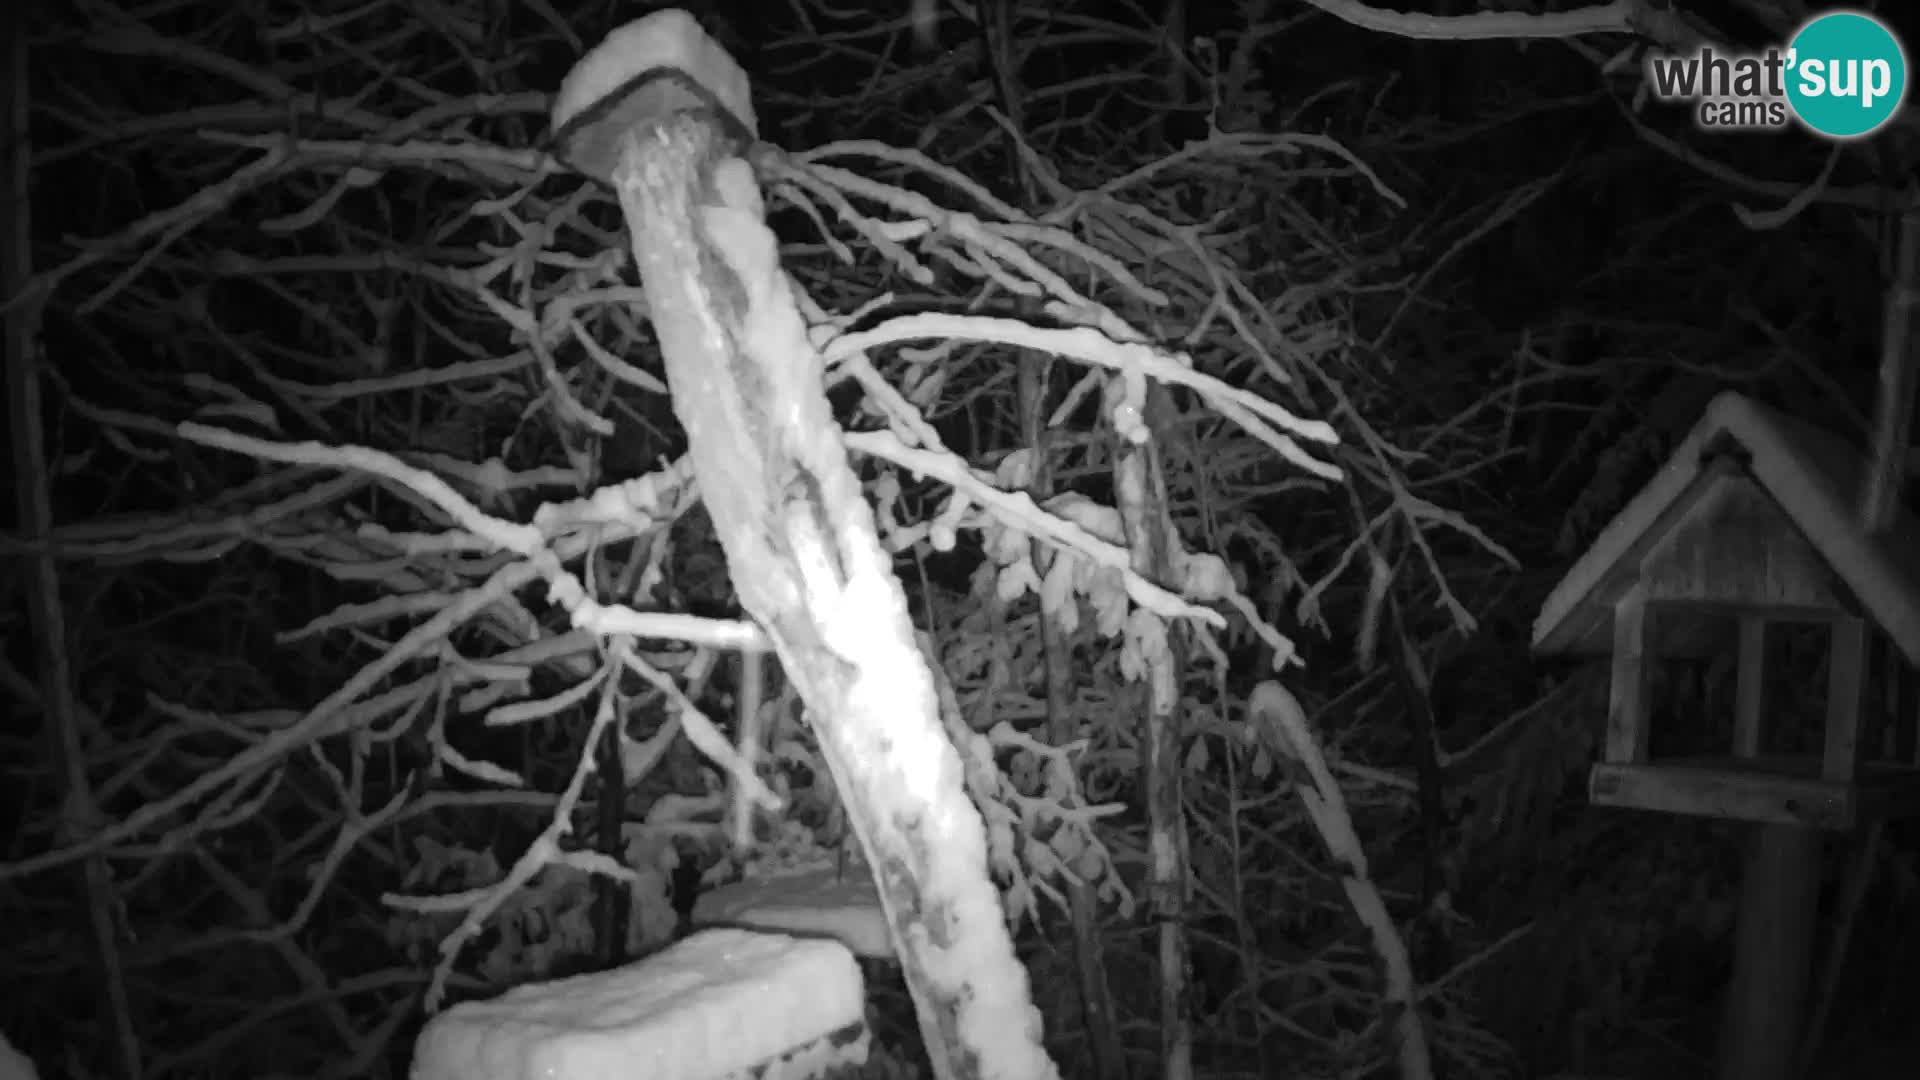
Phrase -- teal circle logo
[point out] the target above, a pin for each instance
(1846, 74)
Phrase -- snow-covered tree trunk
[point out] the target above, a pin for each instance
(808, 566)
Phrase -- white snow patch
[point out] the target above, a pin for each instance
(720, 1004)
(15, 1065)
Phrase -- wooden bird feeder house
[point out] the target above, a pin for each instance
(1751, 524)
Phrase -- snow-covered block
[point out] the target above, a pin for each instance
(816, 902)
(598, 104)
(724, 1003)
(15, 1065)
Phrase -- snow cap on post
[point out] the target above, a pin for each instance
(649, 69)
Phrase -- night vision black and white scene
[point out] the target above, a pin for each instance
(960, 540)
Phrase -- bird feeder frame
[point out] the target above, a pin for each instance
(1749, 525)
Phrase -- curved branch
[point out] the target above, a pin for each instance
(1668, 29)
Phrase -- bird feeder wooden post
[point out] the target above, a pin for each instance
(1749, 525)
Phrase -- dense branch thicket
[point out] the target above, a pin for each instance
(309, 695)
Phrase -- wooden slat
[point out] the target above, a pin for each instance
(1846, 701)
(1749, 704)
(1630, 706)
(1776, 789)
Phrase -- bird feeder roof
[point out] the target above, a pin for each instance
(1814, 478)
